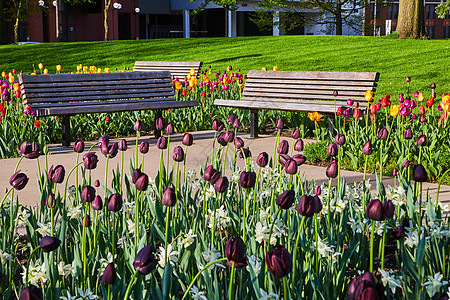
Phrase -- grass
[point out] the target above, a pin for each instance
(425, 61)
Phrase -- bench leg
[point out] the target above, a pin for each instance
(254, 123)
(158, 114)
(65, 122)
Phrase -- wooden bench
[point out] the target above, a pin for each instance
(65, 95)
(176, 68)
(301, 91)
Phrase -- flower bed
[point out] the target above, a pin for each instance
(262, 232)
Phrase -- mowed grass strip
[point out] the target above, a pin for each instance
(425, 61)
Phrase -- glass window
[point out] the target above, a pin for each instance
(430, 13)
(393, 12)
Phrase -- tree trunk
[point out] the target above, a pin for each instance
(338, 17)
(60, 20)
(411, 19)
(364, 18)
(375, 18)
(226, 21)
(16, 23)
(105, 19)
(3, 39)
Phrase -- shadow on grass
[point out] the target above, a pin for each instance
(235, 58)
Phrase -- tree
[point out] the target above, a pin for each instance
(443, 9)
(411, 19)
(228, 5)
(341, 12)
(3, 38)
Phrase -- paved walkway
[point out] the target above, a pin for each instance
(196, 157)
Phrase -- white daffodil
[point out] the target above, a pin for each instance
(264, 214)
(434, 284)
(261, 232)
(197, 294)
(210, 256)
(266, 296)
(189, 238)
(74, 211)
(221, 217)
(22, 218)
(130, 226)
(69, 297)
(172, 256)
(86, 295)
(323, 248)
(255, 264)
(44, 229)
(191, 175)
(4, 257)
(387, 279)
(37, 273)
(65, 270)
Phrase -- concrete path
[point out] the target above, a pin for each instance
(196, 157)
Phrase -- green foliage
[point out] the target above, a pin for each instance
(443, 9)
(316, 152)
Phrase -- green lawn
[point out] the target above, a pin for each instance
(425, 61)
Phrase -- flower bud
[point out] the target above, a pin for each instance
(49, 243)
(291, 167)
(408, 79)
(145, 260)
(236, 123)
(382, 134)
(160, 123)
(262, 160)
(86, 221)
(407, 134)
(299, 159)
(388, 209)
(169, 197)
(340, 139)
(298, 146)
(283, 147)
(433, 85)
(335, 93)
(332, 149)
(97, 204)
(217, 125)
(162, 143)
(18, 180)
(78, 146)
(367, 148)
(221, 185)
(143, 147)
(97, 183)
(56, 175)
(140, 180)
(123, 145)
(374, 210)
(235, 252)
(138, 125)
(31, 293)
(88, 194)
(90, 160)
(109, 274)
(178, 154)
(421, 140)
(286, 199)
(332, 169)
(169, 129)
(279, 261)
(295, 133)
(238, 143)
(230, 119)
(395, 172)
(115, 202)
(188, 139)
(229, 136)
(247, 179)
(279, 124)
(317, 190)
(419, 173)
(50, 201)
(211, 175)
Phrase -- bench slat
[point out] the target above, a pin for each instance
(101, 97)
(105, 94)
(259, 86)
(169, 64)
(312, 75)
(294, 81)
(288, 93)
(112, 102)
(52, 85)
(300, 97)
(269, 102)
(87, 109)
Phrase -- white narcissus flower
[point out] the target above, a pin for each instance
(323, 248)
(434, 284)
(255, 264)
(267, 296)
(44, 229)
(4, 257)
(412, 239)
(197, 294)
(172, 256)
(210, 256)
(65, 270)
(130, 226)
(264, 214)
(74, 211)
(387, 279)
(86, 295)
(189, 238)
(261, 233)
(69, 297)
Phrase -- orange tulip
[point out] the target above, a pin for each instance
(315, 117)
(275, 68)
(178, 85)
(45, 71)
(205, 79)
(421, 97)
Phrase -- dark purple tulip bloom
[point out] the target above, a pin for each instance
(56, 175)
(283, 147)
(160, 123)
(78, 146)
(433, 85)
(408, 79)
(50, 202)
(298, 146)
(140, 180)
(88, 194)
(367, 148)
(235, 252)
(138, 125)
(247, 179)
(262, 160)
(283, 159)
(238, 143)
(169, 197)
(388, 209)
(421, 140)
(18, 180)
(143, 147)
(299, 159)
(374, 210)
(29, 150)
(97, 204)
(406, 164)
(169, 129)
(398, 233)
(291, 167)
(419, 173)
(229, 136)
(123, 145)
(97, 183)
(90, 160)
(211, 175)
(162, 143)
(109, 274)
(318, 190)
(178, 154)
(295, 133)
(230, 119)
(104, 138)
(86, 222)
(433, 94)
(317, 204)
(279, 261)
(145, 260)
(359, 284)
(221, 139)
(407, 134)
(382, 134)
(340, 139)
(188, 139)
(279, 124)
(306, 206)
(221, 185)
(236, 123)
(335, 93)
(104, 148)
(245, 153)
(332, 169)
(332, 149)
(395, 172)
(115, 202)
(217, 125)
(31, 293)
(286, 199)
(49, 243)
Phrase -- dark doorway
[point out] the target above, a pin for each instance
(124, 26)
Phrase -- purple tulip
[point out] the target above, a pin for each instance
(367, 148)
(236, 123)
(374, 210)
(395, 172)
(332, 149)
(247, 179)
(140, 180)
(382, 134)
(291, 167)
(49, 243)
(115, 202)
(50, 201)
(97, 204)
(421, 140)
(388, 209)
(56, 175)
(109, 274)
(238, 143)
(279, 261)
(90, 160)
(162, 143)
(211, 175)
(318, 190)
(221, 139)
(217, 125)
(349, 102)
(18, 180)
(29, 150)
(419, 173)
(86, 221)
(31, 293)
(245, 153)
(143, 147)
(78, 146)
(407, 134)
(283, 147)
(169, 197)
(88, 194)
(332, 169)
(138, 125)
(283, 159)
(298, 146)
(335, 93)
(408, 79)
(286, 199)
(145, 260)
(169, 129)
(307, 206)
(299, 159)
(279, 124)
(229, 136)
(188, 139)
(262, 160)
(221, 185)
(235, 252)
(340, 139)
(399, 233)
(123, 145)
(160, 123)
(295, 133)
(230, 119)
(178, 154)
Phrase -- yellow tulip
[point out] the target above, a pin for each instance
(368, 95)
(210, 71)
(41, 66)
(11, 78)
(275, 68)
(107, 70)
(192, 72)
(445, 104)
(45, 71)
(16, 87)
(421, 97)
(178, 85)
(395, 109)
(315, 117)
(58, 68)
(3, 74)
(79, 67)
(205, 79)
(189, 76)
(263, 69)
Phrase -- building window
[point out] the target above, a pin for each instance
(430, 31)
(372, 9)
(430, 13)
(393, 12)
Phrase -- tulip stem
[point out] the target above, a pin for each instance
(214, 142)
(136, 154)
(161, 166)
(167, 234)
(294, 257)
(109, 291)
(245, 215)
(285, 288)
(256, 189)
(39, 174)
(168, 152)
(381, 162)
(136, 220)
(230, 289)
(371, 246)
(3, 200)
(121, 172)
(364, 180)
(198, 274)
(329, 205)
(383, 244)
(83, 246)
(67, 181)
(28, 262)
(127, 293)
